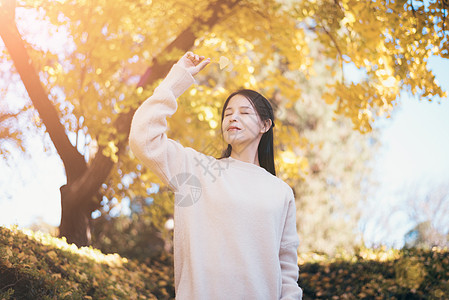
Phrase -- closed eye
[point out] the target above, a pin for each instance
(242, 114)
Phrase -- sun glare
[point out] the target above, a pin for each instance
(38, 31)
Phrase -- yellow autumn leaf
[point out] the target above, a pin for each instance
(69, 293)
(52, 254)
(328, 98)
(8, 264)
(229, 67)
(224, 62)
(8, 253)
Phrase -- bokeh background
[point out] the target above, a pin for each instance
(359, 90)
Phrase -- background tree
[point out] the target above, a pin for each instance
(428, 211)
(8, 134)
(332, 194)
(11, 129)
(86, 94)
(417, 216)
(80, 196)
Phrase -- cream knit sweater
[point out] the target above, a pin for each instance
(235, 223)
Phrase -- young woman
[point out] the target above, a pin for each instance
(235, 222)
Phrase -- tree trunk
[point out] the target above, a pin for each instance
(80, 196)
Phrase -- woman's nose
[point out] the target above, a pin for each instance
(234, 117)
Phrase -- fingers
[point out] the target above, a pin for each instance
(198, 62)
(195, 58)
(190, 55)
(203, 63)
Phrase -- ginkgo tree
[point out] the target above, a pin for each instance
(117, 51)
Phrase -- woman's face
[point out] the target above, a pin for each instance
(241, 114)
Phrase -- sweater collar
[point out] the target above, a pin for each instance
(244, 164)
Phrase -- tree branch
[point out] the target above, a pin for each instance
(83, 182)
(101, 165)
(339, 52)
(73, 161)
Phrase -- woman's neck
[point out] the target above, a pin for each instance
(246, 157)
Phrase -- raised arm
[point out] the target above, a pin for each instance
(147, 139)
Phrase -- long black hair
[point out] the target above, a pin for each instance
(265, 112)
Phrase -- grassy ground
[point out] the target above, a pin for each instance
(38, 266)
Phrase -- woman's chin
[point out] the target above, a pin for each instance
(232, 140)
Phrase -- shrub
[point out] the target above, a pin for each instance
(37, 266)
(376, 274)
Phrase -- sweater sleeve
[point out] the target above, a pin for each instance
(148, 140)
(288, 256)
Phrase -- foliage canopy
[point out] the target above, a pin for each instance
(86, 86)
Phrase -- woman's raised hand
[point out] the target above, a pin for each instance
(193, 62)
